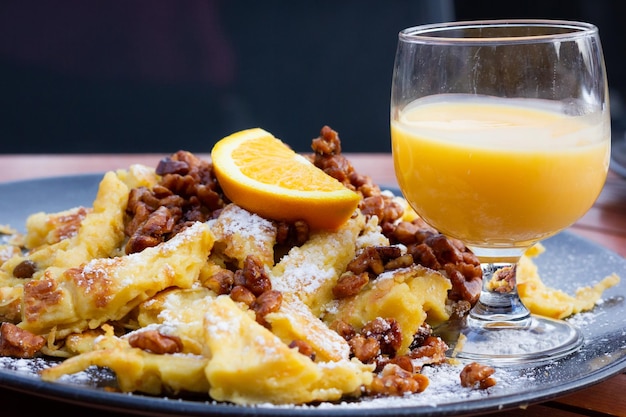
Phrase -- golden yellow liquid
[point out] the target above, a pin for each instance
(496, 172)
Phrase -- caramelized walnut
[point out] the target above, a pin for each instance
(403, 361)
(19, 343)
(438, 252)
(432, 350)
(386, 332)
(350, 284)
(327, 156)
(292, 234)
(304, 348)
(503, 280)
(365, 349)
(187, 192)
(343, 329)
(220, 282)
(256, 278)
(268, 302)
(378, 337)
(155, 342)
(250, 285)
(477, 376)
(395, 381)
(377, 259)
(241, 294)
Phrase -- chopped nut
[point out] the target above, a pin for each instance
(477, 376)
(19, 343)
(155, 342)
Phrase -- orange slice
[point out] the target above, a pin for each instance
(265, 176)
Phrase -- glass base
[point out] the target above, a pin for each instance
(533, 340)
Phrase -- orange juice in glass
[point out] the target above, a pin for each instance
(496, 172)
(500, 135)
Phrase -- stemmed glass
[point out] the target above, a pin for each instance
(501, 138)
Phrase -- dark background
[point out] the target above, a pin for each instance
(163, 75)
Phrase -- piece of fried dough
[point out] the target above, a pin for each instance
(243, 350)
(408, 295)
(239, 233)
(100, 234)
(311, 271)
(294, 321)
(138, 370)
(104, 289)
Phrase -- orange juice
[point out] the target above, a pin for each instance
(498, 172)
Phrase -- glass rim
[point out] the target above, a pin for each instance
(431, 33)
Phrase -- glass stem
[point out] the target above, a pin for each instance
(499, 304)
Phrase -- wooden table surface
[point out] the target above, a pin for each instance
(605, 224)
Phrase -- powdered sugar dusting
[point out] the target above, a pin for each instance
(234, 219)
(305, 278)
(583, 319)
(24, 366)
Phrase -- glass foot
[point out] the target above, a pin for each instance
(536, 339)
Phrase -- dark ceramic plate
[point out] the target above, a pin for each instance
(568, 263)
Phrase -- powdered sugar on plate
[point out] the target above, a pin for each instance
(93, 376)
(444, 387)
(26, 367)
